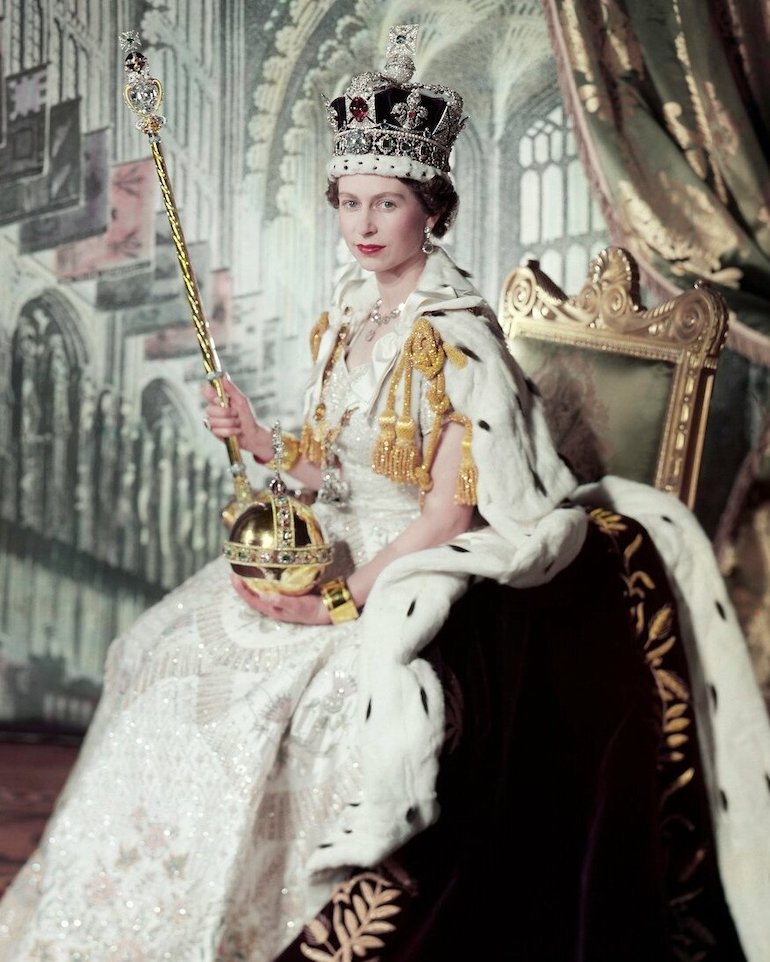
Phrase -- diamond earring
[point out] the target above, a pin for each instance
(427, 244)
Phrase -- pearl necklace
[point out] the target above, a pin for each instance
(379, 319)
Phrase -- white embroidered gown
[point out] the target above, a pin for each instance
(221, 752)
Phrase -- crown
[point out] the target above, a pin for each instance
(386, 124)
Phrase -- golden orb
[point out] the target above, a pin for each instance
(276, 544)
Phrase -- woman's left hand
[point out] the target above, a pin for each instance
(306, 609)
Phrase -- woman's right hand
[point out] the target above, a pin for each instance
(237, 420)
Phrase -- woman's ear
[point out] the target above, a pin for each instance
(430, 223)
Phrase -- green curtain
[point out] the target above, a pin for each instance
(673, 127)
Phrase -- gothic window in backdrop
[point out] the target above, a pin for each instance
(45, 391)
(559, 223)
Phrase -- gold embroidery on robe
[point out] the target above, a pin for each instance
(655, 632)
(361, 912)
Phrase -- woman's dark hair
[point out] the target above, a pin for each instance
(437, 197)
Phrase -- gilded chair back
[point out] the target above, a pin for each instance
(626, 388)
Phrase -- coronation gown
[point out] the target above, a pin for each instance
(220, 753)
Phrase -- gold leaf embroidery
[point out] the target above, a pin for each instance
(360, 907)
(654, 657)
(634, 579)
(317, 930)
(607, 521)
(684, 779)
(674, 711)
(631, 550)
(676, 725)
(661, 623)
(672, 684)
(658, 641)
(316, 955)
(676, 740)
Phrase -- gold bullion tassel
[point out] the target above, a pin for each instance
(404, 461)
(384, 446)
(405, 454)
(382, 454)
(468, 475)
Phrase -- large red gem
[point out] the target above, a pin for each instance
(359, 108)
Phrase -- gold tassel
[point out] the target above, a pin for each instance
(468, 475)
(404, 461)
(382, 454)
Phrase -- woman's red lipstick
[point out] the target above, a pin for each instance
(369, 248)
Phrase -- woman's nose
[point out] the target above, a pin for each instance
(366, 224)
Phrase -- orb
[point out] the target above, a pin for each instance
(276, 544)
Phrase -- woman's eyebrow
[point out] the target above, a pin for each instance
(386, 193)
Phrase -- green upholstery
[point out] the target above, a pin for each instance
(591, 396)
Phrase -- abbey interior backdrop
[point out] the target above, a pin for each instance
(109, 486)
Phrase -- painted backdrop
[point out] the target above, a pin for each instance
(109, 487)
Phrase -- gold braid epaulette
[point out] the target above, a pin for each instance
(396, 452)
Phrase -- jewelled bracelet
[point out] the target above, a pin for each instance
(339, 602)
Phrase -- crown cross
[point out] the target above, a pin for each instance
(402, 39)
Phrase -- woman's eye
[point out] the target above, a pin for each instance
(388, 204)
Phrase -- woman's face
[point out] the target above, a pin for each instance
(382, 222)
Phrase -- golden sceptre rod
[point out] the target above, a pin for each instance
(143, 95)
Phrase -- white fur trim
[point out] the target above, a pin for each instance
(383, 165)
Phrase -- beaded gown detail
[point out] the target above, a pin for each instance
(221, 751)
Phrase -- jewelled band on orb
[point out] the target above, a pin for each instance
(283, 557)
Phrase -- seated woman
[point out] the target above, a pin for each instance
(338, 774)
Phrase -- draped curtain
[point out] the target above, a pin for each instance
(673, 126)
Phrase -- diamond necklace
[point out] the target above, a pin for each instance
(379, 319)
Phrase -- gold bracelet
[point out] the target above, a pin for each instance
(339, 601)
(291, 454)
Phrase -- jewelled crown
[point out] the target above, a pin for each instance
(386, 124)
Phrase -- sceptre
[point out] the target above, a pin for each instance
(275, 543)
(143, 95)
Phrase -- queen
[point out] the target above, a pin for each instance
(336, 773)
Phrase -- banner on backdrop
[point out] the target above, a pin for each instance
(24, 149)
(129, 241)
(89, 217)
